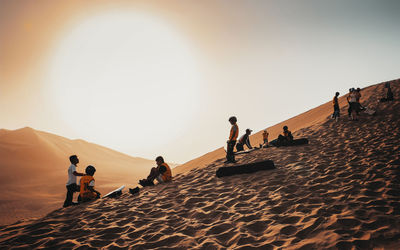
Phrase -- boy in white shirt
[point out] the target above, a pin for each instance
(71, 184)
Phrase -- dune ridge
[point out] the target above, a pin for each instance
(311, 117)
(339, 192)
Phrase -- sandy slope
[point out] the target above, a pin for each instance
(33, 171)
(312, 117)
(340, 191)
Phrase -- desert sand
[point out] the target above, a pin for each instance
(341, 192)
(34, 171)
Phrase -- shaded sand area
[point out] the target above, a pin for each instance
(33, 171)
(340, 191)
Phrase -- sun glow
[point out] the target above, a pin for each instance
(125, 78)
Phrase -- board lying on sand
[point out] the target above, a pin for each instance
(115, 192)
(295, 142)
(369, 111)
(245, 168)
(246, 151)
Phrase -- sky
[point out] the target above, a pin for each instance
(151, 78)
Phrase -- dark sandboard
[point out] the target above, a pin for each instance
(295, 142)
(246, 151)
(301, 141)
(115, 193)
(245, 168)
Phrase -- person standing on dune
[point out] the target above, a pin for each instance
(230, 156)
(353, 106)
(265, 138)
(336, 110)
(71, 184)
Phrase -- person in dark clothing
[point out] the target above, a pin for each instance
(349, 111)
(71, 184)
(336, 109)
(230, 156)
(244, 140)
(389, 94)
(286, 138)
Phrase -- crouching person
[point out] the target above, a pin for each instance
(87, 192)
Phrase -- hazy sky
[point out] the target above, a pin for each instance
(152, 78)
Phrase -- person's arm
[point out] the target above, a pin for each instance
(290, 136)
(77, 174)
(248, 143)
(91, 188)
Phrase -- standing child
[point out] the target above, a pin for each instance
(71, 184)
(230, 156)
(265, 138)
(87, 192)
(336, 109)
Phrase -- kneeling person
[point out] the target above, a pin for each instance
(87, 192)
(244, 140)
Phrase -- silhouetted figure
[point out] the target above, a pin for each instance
(353, 104)
(336, 109)
(286, 138)
(71, 183)
(244, 140)
(230, 156)
(389, 93)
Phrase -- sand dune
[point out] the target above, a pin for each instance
(341, 191)
(312, 117)
(34, 171)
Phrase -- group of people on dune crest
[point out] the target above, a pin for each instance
(354, 105)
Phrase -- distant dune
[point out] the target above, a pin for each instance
(34, 167)
(341, 191)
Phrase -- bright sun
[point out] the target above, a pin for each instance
(125, 78)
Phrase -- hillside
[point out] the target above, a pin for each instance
(34, 170)
(315, 116)
(341, 191)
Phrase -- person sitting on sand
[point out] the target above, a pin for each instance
(336, 109)
(244, 140)
(87, 192)
(389, 93)
(230, 156)
(71, 183)
(162, 173)
(285, 138)
(265, 138)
